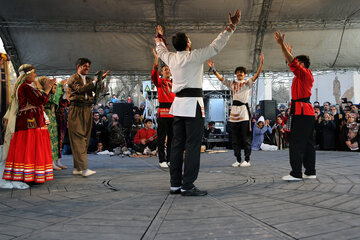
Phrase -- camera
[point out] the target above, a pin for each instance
(280, 127)
(344, 100)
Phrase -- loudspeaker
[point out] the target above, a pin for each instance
(268, 109)
(125, 113)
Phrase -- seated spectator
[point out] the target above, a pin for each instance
(279, 132)
(258, 136)
(97, 132)
(211, 131)
(326, 128)
(116, 138)
(136, 125)
(100, 147)
(145, 139)
(114, 118)
(352, 132)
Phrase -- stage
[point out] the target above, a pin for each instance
(129, 198)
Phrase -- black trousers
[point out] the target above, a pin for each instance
(241, 139)
(188, 132)
(302, 150)
(140, 147)
(165, 129)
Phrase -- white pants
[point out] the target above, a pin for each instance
(267, 147)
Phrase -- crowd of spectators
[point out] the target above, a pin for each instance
(336, 129)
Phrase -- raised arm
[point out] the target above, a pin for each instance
(211, 64)
(155, 71)
(202, 54)
(285, 48)
(259, 69)
(161, 49)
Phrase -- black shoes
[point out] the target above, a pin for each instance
(177, 191)
(194, 192)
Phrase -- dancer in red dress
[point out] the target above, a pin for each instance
(29, 157)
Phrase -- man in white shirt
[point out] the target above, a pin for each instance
(240, 115)
(188, 107)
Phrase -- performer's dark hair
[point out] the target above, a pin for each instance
(304, 59)
(241, 69)
(147, 120)
(180, 41)
(82, 61)
(164, 65)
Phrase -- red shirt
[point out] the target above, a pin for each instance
(33, 100)
(164, 92)
(301, 88)
(144, 134)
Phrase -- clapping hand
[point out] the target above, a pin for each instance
(105, 74)
(64, 82)
(279, 37)
(236, 18)
(210, 63)
(159, 30)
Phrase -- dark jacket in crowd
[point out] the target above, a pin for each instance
(326, 131)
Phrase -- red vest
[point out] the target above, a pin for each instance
(164, 92)
(301, 88)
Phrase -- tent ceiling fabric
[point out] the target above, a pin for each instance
(118, 34)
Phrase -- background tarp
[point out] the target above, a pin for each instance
(118, 34)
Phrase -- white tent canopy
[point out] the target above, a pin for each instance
(118, 34)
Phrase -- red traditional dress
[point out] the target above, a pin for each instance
(29, 158)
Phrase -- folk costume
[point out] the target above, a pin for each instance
(164, 118)
(188, 108)
(302, 122)
(50, 108)
(240, 117)
(29, 156)
(80, 118)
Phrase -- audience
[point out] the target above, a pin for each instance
(259, 130)
(145, 140)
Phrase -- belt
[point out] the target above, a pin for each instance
(190, 92)
(165, 105)
(238, 103)
(292, 108)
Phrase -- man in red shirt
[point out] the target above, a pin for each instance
(302, 114)
(145, 138)
(164, 119)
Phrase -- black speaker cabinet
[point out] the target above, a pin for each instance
(268, 109)
(125, 113)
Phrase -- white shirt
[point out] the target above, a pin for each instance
(187, 71)
(240, 92)
(83, 77)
